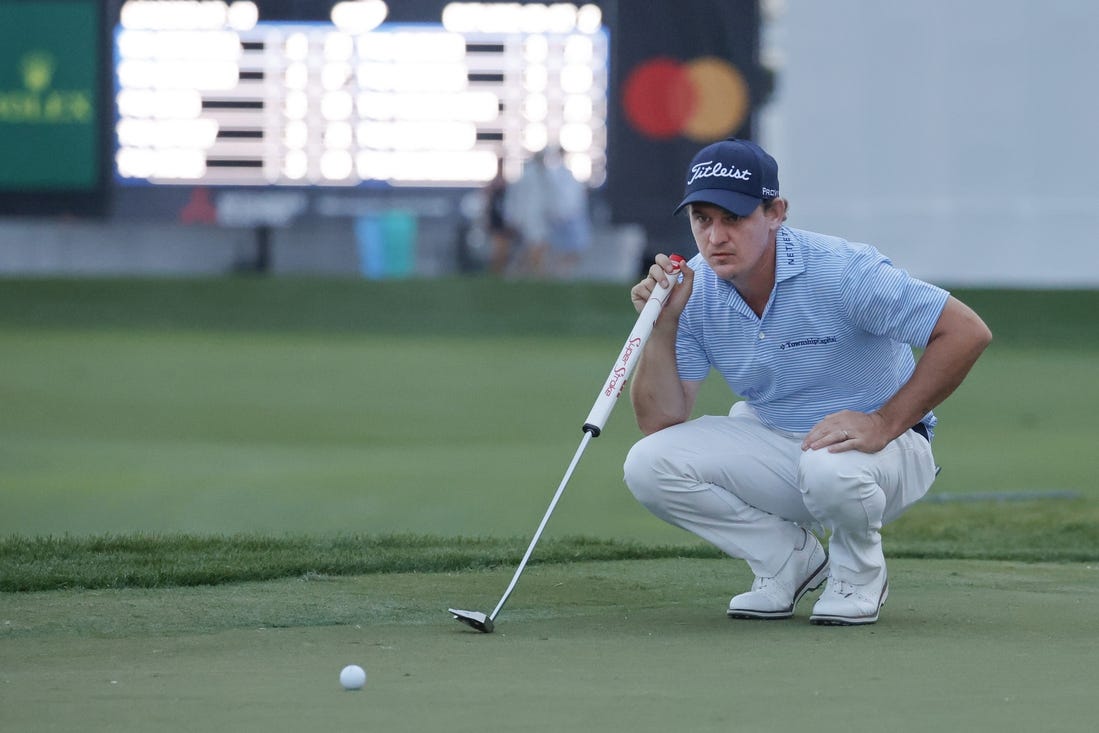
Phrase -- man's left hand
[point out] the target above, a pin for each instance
(848, 430)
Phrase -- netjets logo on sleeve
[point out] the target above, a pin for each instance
(710, 169)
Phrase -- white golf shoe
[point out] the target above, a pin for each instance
(776, 596)
(847, 604)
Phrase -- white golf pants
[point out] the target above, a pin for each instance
(747, 489)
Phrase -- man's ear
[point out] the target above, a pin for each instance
(776, 213)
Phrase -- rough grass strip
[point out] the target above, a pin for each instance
(1065, 531)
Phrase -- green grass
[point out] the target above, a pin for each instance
(633, 646)
(447, 408)
(216, 493)
(474, 307)
(1039, 532)
(145, 561)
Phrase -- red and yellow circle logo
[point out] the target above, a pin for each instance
(704, 99)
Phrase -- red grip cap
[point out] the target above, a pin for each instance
(677, 260)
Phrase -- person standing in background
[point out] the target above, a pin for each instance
(549, 209)
(570, 226)
(501, 234)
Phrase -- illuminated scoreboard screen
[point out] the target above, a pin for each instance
(210, 94)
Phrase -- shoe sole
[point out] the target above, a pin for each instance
(813, 582)
(828, 620)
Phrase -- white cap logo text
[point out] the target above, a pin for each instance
(710, 169)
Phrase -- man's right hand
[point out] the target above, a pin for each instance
(661, 273)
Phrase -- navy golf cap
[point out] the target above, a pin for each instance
(733, 174)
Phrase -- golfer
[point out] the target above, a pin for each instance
(833, 432)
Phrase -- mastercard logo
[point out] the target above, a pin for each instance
(703, 99)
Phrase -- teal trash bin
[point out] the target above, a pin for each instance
(387, 244)
(368, 238)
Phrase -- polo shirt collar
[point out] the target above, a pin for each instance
(789, 261)
(789, 255)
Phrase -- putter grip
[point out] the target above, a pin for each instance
(628, 358)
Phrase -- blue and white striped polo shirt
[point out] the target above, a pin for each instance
(837, 333)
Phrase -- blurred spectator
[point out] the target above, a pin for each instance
(549, 209)
(501, 234)
(570, 228)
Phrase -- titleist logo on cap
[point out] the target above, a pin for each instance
(710, 169)
(733, 174)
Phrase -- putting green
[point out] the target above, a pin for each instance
(616, 646)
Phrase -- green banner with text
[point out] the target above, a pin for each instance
(50, 95)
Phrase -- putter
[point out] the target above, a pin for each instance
(593, 426)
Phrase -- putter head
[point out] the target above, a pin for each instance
(475, 619)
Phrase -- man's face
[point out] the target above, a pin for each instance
(736, 247)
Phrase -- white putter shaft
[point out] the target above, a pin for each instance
(593, 426)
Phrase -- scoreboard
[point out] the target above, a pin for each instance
(225, 98)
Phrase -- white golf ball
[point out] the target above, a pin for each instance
(352, 677)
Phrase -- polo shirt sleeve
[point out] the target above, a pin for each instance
(690, 356)
(886, 301)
